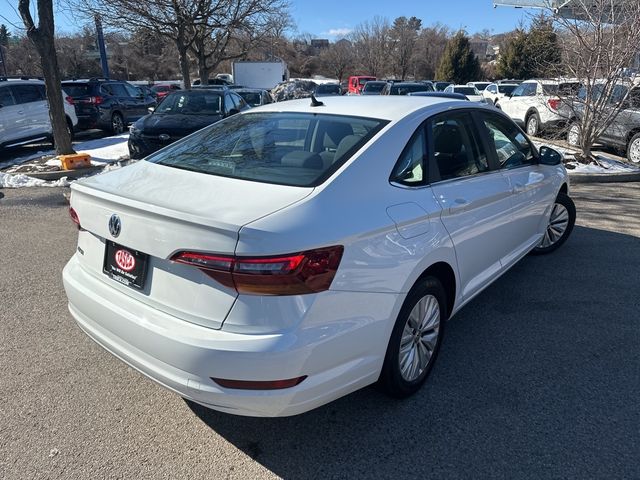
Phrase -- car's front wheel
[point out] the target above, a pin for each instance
(117, 124)
(633, 149)
(415, 339)
(573, 135)
(560, 225)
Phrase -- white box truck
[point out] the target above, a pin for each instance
(264, 75)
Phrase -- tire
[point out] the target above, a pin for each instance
(573, 134)
(411, 352)
(560, 226)
(633, 149)
(532, 125)
(117, 124)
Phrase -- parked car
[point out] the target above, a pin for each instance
(246, 268)
(450, 95)
(471, 93)
(403, 88)
(357, 82)
(344, 87)
(254, 96)
(327, 89)
(24, 112)
(536, 104)
(180, 114)
(107, 104)
(480, 86)
(624, 132)
(373, 87)
(162, 90)
(440, 86)
(496, 91)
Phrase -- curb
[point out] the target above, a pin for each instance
(70, 174)
(603, 177)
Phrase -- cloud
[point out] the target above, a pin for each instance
(339, 32)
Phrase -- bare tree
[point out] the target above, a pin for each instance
(404, 35)
(429, 49)
(372, 45)
(233, 28)
(601, 38)
(338, 58)
(42, 37)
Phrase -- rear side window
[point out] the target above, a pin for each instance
(26, 93)
(271, 147)
(119, 90)
(6, 99)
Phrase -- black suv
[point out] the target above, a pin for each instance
(107, 104)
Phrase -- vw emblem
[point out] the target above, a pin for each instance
(114, 225)
(164, 137)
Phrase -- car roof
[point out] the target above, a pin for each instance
(391, 108)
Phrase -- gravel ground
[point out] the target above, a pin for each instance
(539, 377)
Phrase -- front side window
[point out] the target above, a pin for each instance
(511, 146)
(191, 103)
(118, 90)
(270, 147)
(455, 151)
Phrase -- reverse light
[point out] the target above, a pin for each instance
(300, 273)
(259, 385)
(554, 103)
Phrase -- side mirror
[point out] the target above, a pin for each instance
(233, 111)
(549, 156)
(151, 109)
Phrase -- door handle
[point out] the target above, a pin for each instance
(518, 188)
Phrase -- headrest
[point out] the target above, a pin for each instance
(302, 159)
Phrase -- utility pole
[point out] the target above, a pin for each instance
(3, 61)
(102, 48)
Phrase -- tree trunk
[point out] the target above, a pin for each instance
(184, 64)
(203, 69)
(42, 38)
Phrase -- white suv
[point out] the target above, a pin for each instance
(536, 104)
(24, 112)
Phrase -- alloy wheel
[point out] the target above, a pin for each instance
(634, 151)
(573, 137)
(532, 126)
(419, 338)
(558, 223)
(117, 124)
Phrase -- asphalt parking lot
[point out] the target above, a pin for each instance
(539, 377)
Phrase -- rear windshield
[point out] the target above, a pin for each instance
(77, 89)
(403, 89)
(192, 103)
(466, 90)
(506, 89)
(374, 86)
(297, 149)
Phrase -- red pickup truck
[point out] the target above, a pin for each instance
(356, 83)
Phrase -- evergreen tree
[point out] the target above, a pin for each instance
(513, 61)
(542, 49)
(458, 64)
(4, 35)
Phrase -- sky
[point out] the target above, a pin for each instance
(333, 19)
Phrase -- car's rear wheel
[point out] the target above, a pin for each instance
(561, 222)
(573, 135)
(533, 125)
(415, 339)
(633, 149)
(117, 124)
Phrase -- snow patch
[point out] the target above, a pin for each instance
(20, 180)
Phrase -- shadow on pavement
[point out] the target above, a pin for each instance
(537, 378)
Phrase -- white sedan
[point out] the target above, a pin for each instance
(470, 92)
(289, 255)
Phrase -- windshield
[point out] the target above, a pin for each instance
(506, 89)
(466, 90)
(192, 103)
(297, 149)
(364, 80)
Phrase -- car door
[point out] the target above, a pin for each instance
(531, 186)
(475, 198)
(33, 108)
(136, 102)
(11, 120)
(509, 104)
(616, 132)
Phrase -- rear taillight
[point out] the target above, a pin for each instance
(554, 103)
(74, 217)
(69, 100)
(305, 272)
(97, 100)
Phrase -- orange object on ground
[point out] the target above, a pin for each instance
(76, 160)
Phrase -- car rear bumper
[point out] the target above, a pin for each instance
(338, 357)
